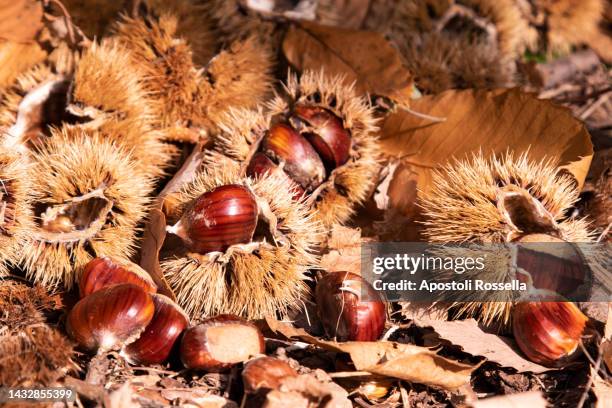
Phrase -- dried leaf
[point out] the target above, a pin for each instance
(197, 397)
(20, 20)
(602, 390)
(531, 399)
(478, 120)
(404, 361)
(473, 340)
(307, 391)
(152, 242)
(344, 250)
(365, 58)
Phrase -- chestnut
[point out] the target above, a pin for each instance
(265, 373)
(105, 271)
(261, 164)
(220, 342)
(325, 131)
(111, 317)
(301, 161)
(217, 219)
(157, 340)
(345, 316)
(548, 332)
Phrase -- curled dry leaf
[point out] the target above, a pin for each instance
(152, 242)
(531, 399)
(363, 57)
(20, 20)
(404, 361)
(473, 340)
(478, 120)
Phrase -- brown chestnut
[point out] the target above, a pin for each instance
(218, 219)
(220, 342)
(157, 340)
(111, 317)
(345, 316)
(265, 373)
(325, 131)
(105, 271)
(301, 161)
(261, 164)
(548, 332)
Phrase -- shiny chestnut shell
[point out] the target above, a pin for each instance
(326, 133)
(110, 317)
(218, 219)
(157, 340)
(265, 373)
(301, 162)
(105, 271)
(548, 333)
(343, 313)
(220, 342)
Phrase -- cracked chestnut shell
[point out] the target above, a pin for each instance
(156, 342)
(105, 271)
(111, 317)
(265, 373)
(261, 164)
(218, 219)
(548, 333)
(345, 316)
(300, 160)
(220, 342)
(325, 131)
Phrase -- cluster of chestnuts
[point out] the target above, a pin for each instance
(309, 145)
(120, 309)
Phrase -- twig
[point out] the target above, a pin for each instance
(434, 119)
(589, 384)
(604, 233)
(594, 106)
(404, 394)
(348, 374)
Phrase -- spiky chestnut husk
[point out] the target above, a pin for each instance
(36, 356)
(32, 105)
(440, 61)
(347, 185)
(469, 17)
(265, 276)
(110, 95)
(189, 100)
(16, 219)
(17, 58)
(562, 19)
(89, 197)
(232, 22)
(496, 200)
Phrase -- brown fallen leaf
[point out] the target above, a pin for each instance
(473, 340)
(196, 398)
(531, 399)
(404, 361)
(16, 58)
(20, 20)
(344, 250)
(152, 242)
(479, 120)
(363, 57)
(307, 391)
